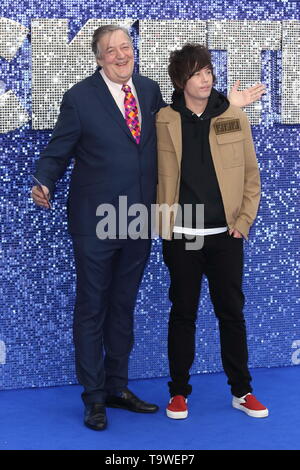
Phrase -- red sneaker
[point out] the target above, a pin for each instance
(177, 407)
(250, 405)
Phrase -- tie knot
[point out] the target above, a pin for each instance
(126, 88)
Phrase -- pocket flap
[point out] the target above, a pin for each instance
(230, 137)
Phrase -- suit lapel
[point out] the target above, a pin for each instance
(175, 132)
(142, 103)
(172, 119)
(104, 96)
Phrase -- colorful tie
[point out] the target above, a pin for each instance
(131, 113)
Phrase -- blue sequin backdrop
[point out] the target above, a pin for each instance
(37, 284)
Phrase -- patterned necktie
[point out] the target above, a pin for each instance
(131, 113)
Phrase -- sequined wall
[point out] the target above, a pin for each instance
(43, 50)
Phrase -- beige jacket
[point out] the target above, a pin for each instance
(234, 160)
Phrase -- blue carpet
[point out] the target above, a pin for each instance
(51, 418)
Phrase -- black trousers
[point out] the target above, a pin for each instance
(221, 260)
(108, 277)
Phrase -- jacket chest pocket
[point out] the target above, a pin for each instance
(231, 147)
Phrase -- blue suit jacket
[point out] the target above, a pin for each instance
(108, 162)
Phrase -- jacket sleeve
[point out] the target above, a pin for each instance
(57, 155)
(252, 187)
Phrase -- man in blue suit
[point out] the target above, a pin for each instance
(107, 122)
(109, 162)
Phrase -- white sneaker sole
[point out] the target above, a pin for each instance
(252, 413)
(177, 414)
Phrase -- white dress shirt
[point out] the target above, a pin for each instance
(119, 95)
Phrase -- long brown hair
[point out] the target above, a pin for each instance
(184, 63)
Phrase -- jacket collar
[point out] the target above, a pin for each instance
(169, 115)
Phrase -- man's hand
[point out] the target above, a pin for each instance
(41, 198)
(247, 96)
(235, 233)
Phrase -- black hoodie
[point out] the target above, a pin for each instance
(199, 184)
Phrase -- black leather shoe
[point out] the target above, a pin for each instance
(95, 416)
(131, 402)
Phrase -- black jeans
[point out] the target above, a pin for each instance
(221, 260)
